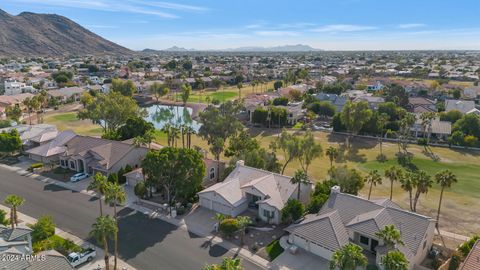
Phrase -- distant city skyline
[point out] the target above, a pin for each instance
(328, 25)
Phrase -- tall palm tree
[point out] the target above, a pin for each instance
(423, 182)
(394, 174)
(103, 230)
(390, 236)
(300, 177)
(332, 153)
(407, 183)
(98, 184)
(26, 102)
(349, 257)
(239, 86)
(115, 194)
(374, 179)
(395, 260)
(445, 179)
(14, 201)
(383, 119)
(243, 222)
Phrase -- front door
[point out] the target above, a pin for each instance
(373, 245)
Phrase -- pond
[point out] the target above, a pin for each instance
(160, 115)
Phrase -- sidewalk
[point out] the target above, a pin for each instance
(98, 262)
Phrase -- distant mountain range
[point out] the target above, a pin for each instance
(284, 48)
(31, 34)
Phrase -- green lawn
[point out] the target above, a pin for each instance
(274, 250)
(467, 174)
(66, 117)
(69, 121)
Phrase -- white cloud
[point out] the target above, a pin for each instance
(343, 28)
(275, 33)
(173, 6)
(410, 25)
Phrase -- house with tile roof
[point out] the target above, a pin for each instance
(45, 260)
(88, 154)
(249, 188)
(472, 261)
(346, 218)
(18, 239)
(34, 135)
(464, 106)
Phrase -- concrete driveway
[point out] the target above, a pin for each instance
(200, 219)
(302, 260)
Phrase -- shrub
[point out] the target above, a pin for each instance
(274, 249)
(35, 166)
(280, 101)
(229, 226)
(113, 178)
(422, 141)
(466, 247)
(64, 246)
(121, 179)
(140, 190)
(292, 211)
(3, 218)
(454, 262)
(43, 229)
(316, 203)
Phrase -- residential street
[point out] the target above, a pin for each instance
(145, 243)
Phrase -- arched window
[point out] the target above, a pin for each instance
(212, 173)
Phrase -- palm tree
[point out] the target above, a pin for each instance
(14, 201)
(115, 194)
(243, 222)
(26, 102)
(395, 260)
(332, 153)
(445, 179)
(373, 178)
(427, 118)
(299, 178)
(423, 182)
(407, 183)
(349, 257)
(390, 236)
(383, 118)
(98, 184)
(394, 174)
(227, 264)
(103, 230)
(239, 86)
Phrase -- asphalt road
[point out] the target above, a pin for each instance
(144, 243)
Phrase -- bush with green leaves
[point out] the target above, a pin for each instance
(3, 218)
(43, 229)
(466, 247)
(454, 261)
(229, 226)
(55, 242)
(293, 210)
(140, 190)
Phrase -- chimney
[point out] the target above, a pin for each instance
(240, 163)
(335, 189)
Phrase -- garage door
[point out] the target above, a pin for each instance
(205, 203)
(320, 251)
(300, 242)
(222, 208)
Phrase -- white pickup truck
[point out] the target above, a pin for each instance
(87, 255)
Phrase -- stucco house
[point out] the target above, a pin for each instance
(88, 154)
(249, 188)
(346, 218)
(18, 238)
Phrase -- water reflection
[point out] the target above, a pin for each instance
(160, 115)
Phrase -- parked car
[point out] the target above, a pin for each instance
(79, 176)
(87, 255)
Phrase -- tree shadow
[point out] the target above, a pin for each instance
(55, 188)
(427, 151)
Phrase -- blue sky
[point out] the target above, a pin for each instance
(323, 24)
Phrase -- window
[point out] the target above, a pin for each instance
(268, 214)
(72, 164)
(62, 162)
(212, 173)
(364, 240)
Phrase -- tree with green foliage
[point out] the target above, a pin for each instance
(43, 229)
(239, 86)
(140, 190)
(126, 88)
(394, 174)
(349, 257)
(10, 142)
(373, 178)
(103, 230)
(186, 90)
(382, 120)
(228, 226)
(13, 201)
(3, 218)
(115, 194)
(13, 112)
(423, 182)
(322, 108)
(158, 90)
(406, 122)
(396, 93)
(98, 184)
(354, 115)
(445, 179)
(300, 178)
(451, 116)
(178, 171)
(277, 85)
(290, 145)
(86, 99)
(309, 150)
(390, 236)
(134, 127)
(332, 154)
(227, 264)
(349, 180)
(217, 147)
(243, 223)
(280, 101)
(426, 119)
(111, 111)
(467, 246)
(293, 210)
(395, 260)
